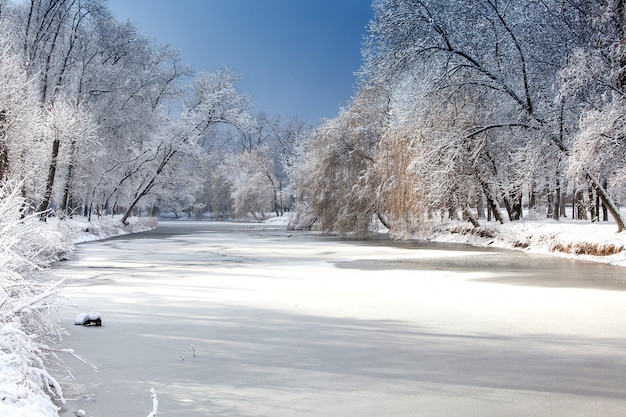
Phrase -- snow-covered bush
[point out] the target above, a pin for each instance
(28, 311)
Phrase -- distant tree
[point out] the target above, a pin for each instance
(212, 99)
(254, 189)
(330, 178)
(217, 192)
(399, 190)
(258, 134)
(282, 137)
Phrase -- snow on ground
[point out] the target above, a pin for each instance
(584, 240)
(566, 238)
(104, 227)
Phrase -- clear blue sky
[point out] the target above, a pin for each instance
(296, 57)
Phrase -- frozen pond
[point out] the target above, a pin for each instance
(288, 324)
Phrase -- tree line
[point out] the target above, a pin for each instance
(96, 119)
(474, 108)
(465, 109)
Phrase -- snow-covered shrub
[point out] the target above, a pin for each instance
(28, 311)
(24, 379)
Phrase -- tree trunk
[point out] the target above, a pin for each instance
(480, 207)
(557, 200)
(4, 163)
(607, 201)
(45, 203)
(605, 212)
(554, 201)
(562, 204)
(592, 205)
(275, 193)
(65, 199)
(135, 201)
(492, 203)
(550, 197)
(532, 199)
(4, 149)
(89, 212)
(597, 207)
(513, 205)
(145, 190)
(380, 217)
(467, 213)
(579, 204)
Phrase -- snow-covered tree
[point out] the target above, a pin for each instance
(211, 99)
(593, 85)
(254, 188)
(467, 91)
(330, 178)
(484, 52)
(71, 127)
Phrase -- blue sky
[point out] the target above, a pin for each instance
(296, 57)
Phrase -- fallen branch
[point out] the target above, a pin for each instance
(155, 403)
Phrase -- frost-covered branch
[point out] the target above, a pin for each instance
(35, 301)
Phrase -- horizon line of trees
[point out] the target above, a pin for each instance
(475, 108)
(464, 109)
(97, 119)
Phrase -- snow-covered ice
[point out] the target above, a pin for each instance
(253, 320)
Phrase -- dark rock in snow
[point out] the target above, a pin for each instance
(88, 319)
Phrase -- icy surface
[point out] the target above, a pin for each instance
(252, 320)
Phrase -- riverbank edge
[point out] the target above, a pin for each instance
(572, 239)
(566, 238)
(57, 241)
(582, 240)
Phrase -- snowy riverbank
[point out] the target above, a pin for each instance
(597, 242)
(29, 305)
(574, 239)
